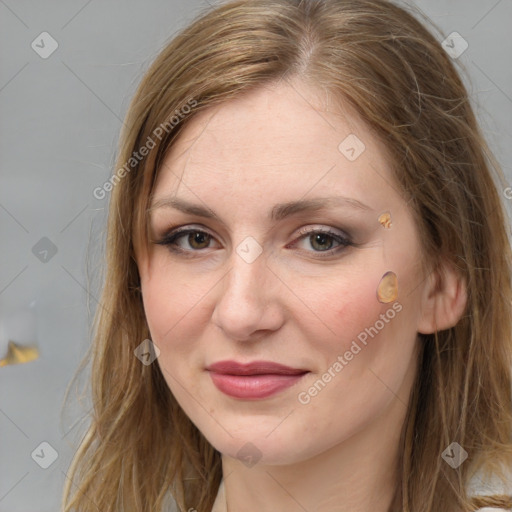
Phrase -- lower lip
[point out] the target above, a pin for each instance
(253, 386)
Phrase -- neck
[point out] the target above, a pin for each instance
(359, 474)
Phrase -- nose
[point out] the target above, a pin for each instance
(248, 300)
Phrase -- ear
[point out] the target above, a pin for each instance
(444, 300)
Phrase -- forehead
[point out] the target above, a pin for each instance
(285, 141)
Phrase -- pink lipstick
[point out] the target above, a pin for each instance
(255, 380)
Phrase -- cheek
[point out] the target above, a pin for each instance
(359, 325)
(356, 305)
(165, 309)
(168, 317)
(353, 304)
(157, 307)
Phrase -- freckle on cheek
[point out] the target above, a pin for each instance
(387, 291)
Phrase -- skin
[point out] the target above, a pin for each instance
(291, 305)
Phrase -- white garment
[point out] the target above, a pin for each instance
(477, 486)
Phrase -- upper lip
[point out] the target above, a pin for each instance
(253, 368)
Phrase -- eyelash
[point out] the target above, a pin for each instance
(170, 239)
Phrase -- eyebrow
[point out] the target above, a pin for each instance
(279, 212)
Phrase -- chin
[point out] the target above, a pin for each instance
(255, 447)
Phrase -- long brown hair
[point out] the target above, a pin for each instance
(140, 447)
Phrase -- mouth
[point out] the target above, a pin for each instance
(254, 368)
(253, 381)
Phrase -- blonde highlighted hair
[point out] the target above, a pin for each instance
(140, 447)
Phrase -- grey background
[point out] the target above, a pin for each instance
(60, 118)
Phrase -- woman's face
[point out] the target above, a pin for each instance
(257, 281)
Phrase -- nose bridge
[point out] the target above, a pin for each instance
(243, 305)
(248, 266)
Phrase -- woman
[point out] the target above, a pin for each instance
(307, 299)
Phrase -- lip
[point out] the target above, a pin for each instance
(254, 368)
(254, 380)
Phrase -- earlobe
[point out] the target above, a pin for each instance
(444, 300)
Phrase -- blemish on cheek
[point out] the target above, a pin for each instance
(385, 219)
(387, 291)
